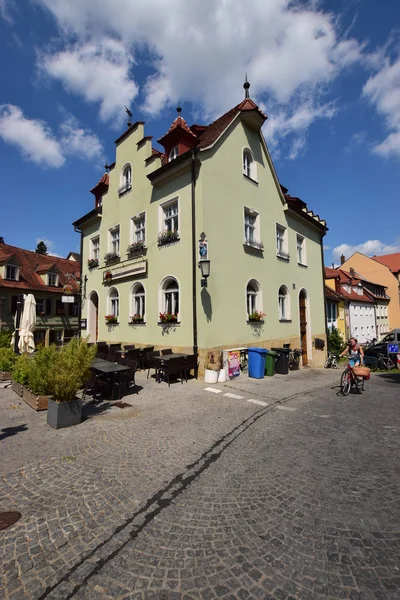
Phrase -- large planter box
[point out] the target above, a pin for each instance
(5, 375)
(18, 388)
(64, 414)
(36, 402)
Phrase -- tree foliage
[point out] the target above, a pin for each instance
(41, 248)
(336, 344)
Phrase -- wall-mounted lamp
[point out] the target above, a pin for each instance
(204, 265)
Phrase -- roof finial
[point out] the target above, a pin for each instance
(107, 167)
(246, 86)
(179, 110)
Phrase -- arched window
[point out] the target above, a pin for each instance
(138, 301)
(253, 298)
(126, 179)
(174, 153)
(284, 303)
(170, 296)
(249, 167)
(113, 302)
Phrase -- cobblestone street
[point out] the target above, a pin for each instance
(279, 488)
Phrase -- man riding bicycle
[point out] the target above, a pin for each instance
(355, 352)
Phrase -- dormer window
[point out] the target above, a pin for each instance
(52, 279)
(174, 153)
(99, 201)
(12, 273)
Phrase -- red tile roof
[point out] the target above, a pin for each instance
(354, 296)
(31, 263)
(101, 185)
(331, 294)
(392, 261)
(331, 273)
(179, 123)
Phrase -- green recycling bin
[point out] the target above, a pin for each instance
(270, 360)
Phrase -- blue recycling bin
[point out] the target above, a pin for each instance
(257, 362)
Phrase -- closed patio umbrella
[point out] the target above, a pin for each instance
(27, 325)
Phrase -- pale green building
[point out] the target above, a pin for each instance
(264, 246)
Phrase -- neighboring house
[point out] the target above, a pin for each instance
(74, 256)
(384, 270)
(44, 276)
(264, 245)
(336, 305)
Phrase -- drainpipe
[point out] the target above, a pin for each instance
(194, 257)
(323, 289)
(81, 281)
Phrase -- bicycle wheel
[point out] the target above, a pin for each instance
(382, 364)
(327, 363)
(390, 364)
(345, 382)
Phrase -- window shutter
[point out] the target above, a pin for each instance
(48, 306)
(13, 307)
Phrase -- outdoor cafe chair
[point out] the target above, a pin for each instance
(114, 348)
(101, 355)
(126, 378)
(190, 364)
(94, 384)
(122, 361)
(166, 351)
(111, 357)
(129, 347)
(173, 366)
(150, 363)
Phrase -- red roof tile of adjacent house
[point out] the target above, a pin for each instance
(331, 294)
(103, 183)
(331, 273)
(179, 123)
(30, 265)
(354, 296)
(392, 261)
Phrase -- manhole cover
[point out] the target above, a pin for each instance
(122, 405)
(9, 518)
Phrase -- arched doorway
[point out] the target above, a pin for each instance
(303, 325)
(93, 317)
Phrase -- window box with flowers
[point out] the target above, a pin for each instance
(166, 318)
(107, 276)
(256, 317)
(92, 263)
(111, 320)
(110, 257)
(136, 319)
(167, 237)
(136, 248)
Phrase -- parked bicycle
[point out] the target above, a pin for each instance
(353, 377)
(331, 362)
(383, 363)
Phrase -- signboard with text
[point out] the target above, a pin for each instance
(234, 363)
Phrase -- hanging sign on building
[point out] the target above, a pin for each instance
(138, 268)
(234, 363)
(68, 299)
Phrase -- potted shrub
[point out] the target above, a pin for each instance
(111, 319)
(167, 317)
(69, 371)
(5, 338)
(19, 373)
(93, 263)
(212, 367)
(37, 391)
(136, 318)
(7, 360)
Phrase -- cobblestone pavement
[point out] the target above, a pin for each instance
(199, 495)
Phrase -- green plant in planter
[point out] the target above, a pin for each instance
(70, 369)
(20, 370)
(7, 359)
(5, 338)
(39, 369)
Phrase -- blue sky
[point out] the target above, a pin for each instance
(326, 73)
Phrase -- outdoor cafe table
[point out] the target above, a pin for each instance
(108, 368)
(169, 356)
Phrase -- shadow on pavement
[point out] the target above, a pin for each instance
(392, 377)
(9, 431)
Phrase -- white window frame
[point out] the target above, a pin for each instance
(55, 284)
(163, 300)
(114, 243)
(95, 248)
(113, 302)
(138, 300)
(173, 153)
(301, 250)
(249, 166)
(138, 234)
(250, 213)
(282, 249)
(125, 178)
(161, 214)
(253, 298)
(16, 273)
(284, 308)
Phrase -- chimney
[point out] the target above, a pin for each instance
(342, 259)
(352, 271)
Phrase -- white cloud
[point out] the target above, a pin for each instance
(4, 10)
(32, 137)
(369, 248)
(37, 142)
(97, 72)
(200, 51)
(383, 91)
